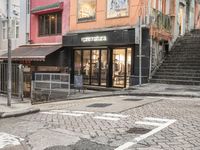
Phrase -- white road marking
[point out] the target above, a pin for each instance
(114, 115)
(106, 118)
(154, 131)
(83, 112)
(144, 136)
(156, 119)
(49, 113)
(60, 111)
(8, 139)
(149, 123)
(71, 114)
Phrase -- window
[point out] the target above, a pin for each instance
(28, 7)
(86, 10)
(4, 35)
(17, 29)
(50, 24)
(117, 8)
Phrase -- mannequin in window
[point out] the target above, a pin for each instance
(87, 68)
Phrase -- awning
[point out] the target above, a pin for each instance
(48, 8)
(31, 52)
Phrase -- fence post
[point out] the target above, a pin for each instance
(21, 82)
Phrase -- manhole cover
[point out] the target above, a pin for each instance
(138, 130)
(131, 99)
(99, 105)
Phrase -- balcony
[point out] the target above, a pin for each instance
(161, 21)
(160, 25)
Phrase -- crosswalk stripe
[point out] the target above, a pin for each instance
(71, 114)
(83, 112)
(115, 115)
(156, 119)
(149, 123)
(49, 113)
(106, 118)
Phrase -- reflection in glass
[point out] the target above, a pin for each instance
(77, 66)
(128, 67)
(104, 67)
(86, 66)
(95, 67)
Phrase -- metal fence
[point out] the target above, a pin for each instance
(46, 86)
(17, 79)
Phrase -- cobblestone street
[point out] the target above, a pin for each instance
(102, 124)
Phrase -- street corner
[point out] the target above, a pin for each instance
(18, 113)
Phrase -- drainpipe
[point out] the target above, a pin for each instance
(140, 52)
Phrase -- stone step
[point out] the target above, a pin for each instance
(177, 82)
(177, 74)
(178, 70)
(181, 64)
(180, 67)
(181, 61)
(173, 77)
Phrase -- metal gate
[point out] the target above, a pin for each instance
(17, 79)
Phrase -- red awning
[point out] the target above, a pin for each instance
(55, 7)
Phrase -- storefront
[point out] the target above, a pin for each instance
(103, 58)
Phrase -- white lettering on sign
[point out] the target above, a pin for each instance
(94, 39)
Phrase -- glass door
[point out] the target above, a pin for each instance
(121, 67)
(118, 68)
(86, 67)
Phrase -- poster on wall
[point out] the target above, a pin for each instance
(86, 10)
(117, 8)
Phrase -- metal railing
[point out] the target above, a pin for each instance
(44, 84)
(17, 79)
(160, 20)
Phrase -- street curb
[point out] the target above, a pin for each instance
(125, 93)
(19, 113)
(163, 94)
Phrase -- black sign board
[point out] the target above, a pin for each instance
(78, 81)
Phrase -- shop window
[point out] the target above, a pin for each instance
(50, 24)
(117, 8)
(86, 10)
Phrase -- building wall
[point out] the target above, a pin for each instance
(34, 37)
(18, 14)
(136, 7)
(197, 14)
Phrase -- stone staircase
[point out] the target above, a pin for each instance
(182, 65)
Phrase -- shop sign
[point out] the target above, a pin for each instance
(94, 39)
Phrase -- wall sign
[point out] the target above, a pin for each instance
(94, 39)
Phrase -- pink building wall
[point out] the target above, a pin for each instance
(34, 27)
(197, 15)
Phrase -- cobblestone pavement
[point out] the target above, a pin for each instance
(110, 130)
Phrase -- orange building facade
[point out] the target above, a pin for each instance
(103, 38)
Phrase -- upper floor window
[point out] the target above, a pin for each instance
(4, 28)
(50, 24)
(117, 8)
(86, 10)
(17, 29)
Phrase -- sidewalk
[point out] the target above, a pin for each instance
(17, 108)
(155, 89)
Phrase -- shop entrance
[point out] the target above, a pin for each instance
(92, 64)
(121, 67)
